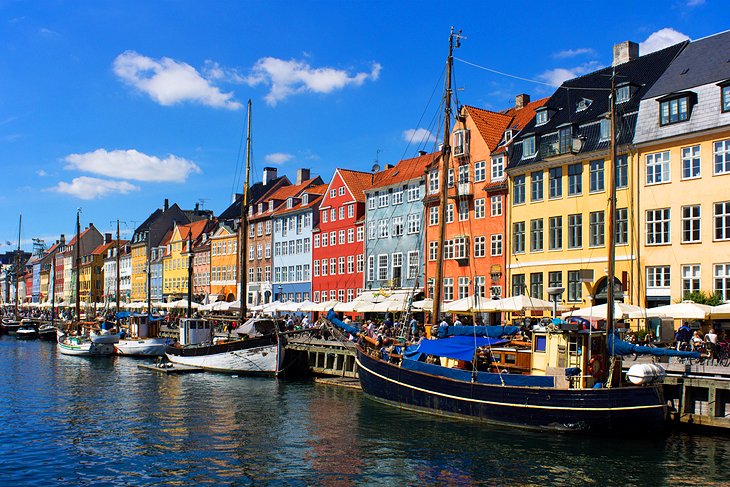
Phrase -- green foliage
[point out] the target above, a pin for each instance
(704, 297)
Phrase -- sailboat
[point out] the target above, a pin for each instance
(11, 325)
(262, 351)
(81, 344)
(462, 373)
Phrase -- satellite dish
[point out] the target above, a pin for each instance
(376, 167)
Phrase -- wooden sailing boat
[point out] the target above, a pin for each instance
(559, 398)
(262, 352)
(77, 341)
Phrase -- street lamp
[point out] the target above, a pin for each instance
(555, 293)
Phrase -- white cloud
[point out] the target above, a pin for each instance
(286, 78)
(556, 76)
(87, 188)
(132, 164)
(41, 173)
(569, 53)
(695, 3)
(278, 158)
(418, 136)
(660, 39)
(169, 82)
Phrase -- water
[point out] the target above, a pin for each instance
(75, 421)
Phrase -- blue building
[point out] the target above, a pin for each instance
(394, 219)
(292, 259)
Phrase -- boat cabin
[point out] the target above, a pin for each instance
(555, 351)
(141, 326)
(195, 330)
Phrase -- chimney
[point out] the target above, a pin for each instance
(421, 152)
(624, 52)
(166, 206)
(269, 175)
(62, 240)
(522, 100)
(197, 208)
(388, 166)
(302, 175)
(107, 238)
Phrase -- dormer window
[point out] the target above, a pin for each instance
(305, 199)
(605, 129)
(460, 138)
(623, 93)
(271, 205)
(541, 116)
(528, 147)
(250, 211)
(261, 207)
(725, 96)
(289, 202)
(583, 104)
(508, 135)
(675, 108)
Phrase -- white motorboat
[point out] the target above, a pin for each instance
(142, 347)
(83, 346)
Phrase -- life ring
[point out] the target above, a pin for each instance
(596, 366)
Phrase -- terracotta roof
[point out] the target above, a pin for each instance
(195, 228)
(523, 115)
(405, 170)
(357, 182)
(102, 248)
(491, 125)
(319, 189)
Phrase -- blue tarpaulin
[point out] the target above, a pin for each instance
(618, 347)
(479, 331)
(481, 377)
(122, 314)
(332, 317)
(459, 347)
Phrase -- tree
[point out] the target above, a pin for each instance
(705, 297)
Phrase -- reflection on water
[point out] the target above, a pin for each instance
(75, 421)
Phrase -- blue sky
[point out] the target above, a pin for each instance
(114, 106)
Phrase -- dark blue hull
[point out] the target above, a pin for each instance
(618, 409)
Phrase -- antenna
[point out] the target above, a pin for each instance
(202, 202)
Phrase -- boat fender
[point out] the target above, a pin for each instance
(596, 366)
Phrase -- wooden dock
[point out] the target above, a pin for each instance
(171, 369)
(348, 382)
(333, 358)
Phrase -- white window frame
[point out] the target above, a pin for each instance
(496, 245)
(495, 205)
(658, 168)
(691, 162)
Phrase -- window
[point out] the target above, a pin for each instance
(691, 162)
(497, 171)
(459, 142)
(315, 268)
(340, 265)
(674, 111)
(463, 210)
(555, 279)
(450, 213)
(555, 182)
(350, 235)
(463, 174)
(605, 130)
(536, 285)
(479, 208)
(341, 191)
(518, 284)
(341, 235)
(657, 168)
(657, 227)
(360, 262)
(480, 171)
(596, 228)
(691, 224)
(574, 287)
(333, 193)
(450, 178)
(556, 233)
(325, 241)
(333, 266)
(480, 246)
(371, 201)
(397, 222)
(268, 227)
(383, 228)
(383, 199)
(397, 196)
(461, 251)
(528, 147)
(433, 215)
(621, 174)
(495, 205)
(333, 240)
(360, 233)
(350, 211)
(690, 279)
(596, 176)
(449, 289)
(541, 116)
(722, 220)
(413, 264)
(575, 231)
(623, 93)
(658, 277)
(496, 246)
(371, 230)
(565, 139)
(722, 280)
(342, 213)
(383, 267)
(414, 223)
(518, 190)
(324, 216)
(333, 215)
(433, 250)
(575, 179)
(722, 157)
(414, 192)
(536, 242)
(480, 286)
(433, 182)
(518, 237)
(463, 287)
(725, 98)
(536, 179)
(622, 226)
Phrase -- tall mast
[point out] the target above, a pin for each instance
(244, 222)
(445, 162)
(118, 271)
(190, 274)
(149, 272)
(611, 208)
(53, 286)
(78, 265)
(17, 264)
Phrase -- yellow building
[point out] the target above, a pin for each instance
(139, 271)
(223, 264)
(683, 143)
(559, 186)
(176, 261)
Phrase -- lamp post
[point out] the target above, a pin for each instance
(555, 293)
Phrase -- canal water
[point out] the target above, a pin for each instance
(75, 421)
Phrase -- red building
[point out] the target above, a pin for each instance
(339, 240)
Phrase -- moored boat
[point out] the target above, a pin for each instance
(47, 332)
(28, 330)
(83, 346)
(141, 347)
(10, 327)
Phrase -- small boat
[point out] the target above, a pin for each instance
(47, 332)
(142, 347)
(10, 327)
(28, 330)
(83, 346)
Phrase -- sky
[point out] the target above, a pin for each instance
(112, 107)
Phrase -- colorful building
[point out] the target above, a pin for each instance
(683, 202)
(110, 272)
(559, 184)
(176, 262)
(337, 263)
(224, 264)
(201, 267)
